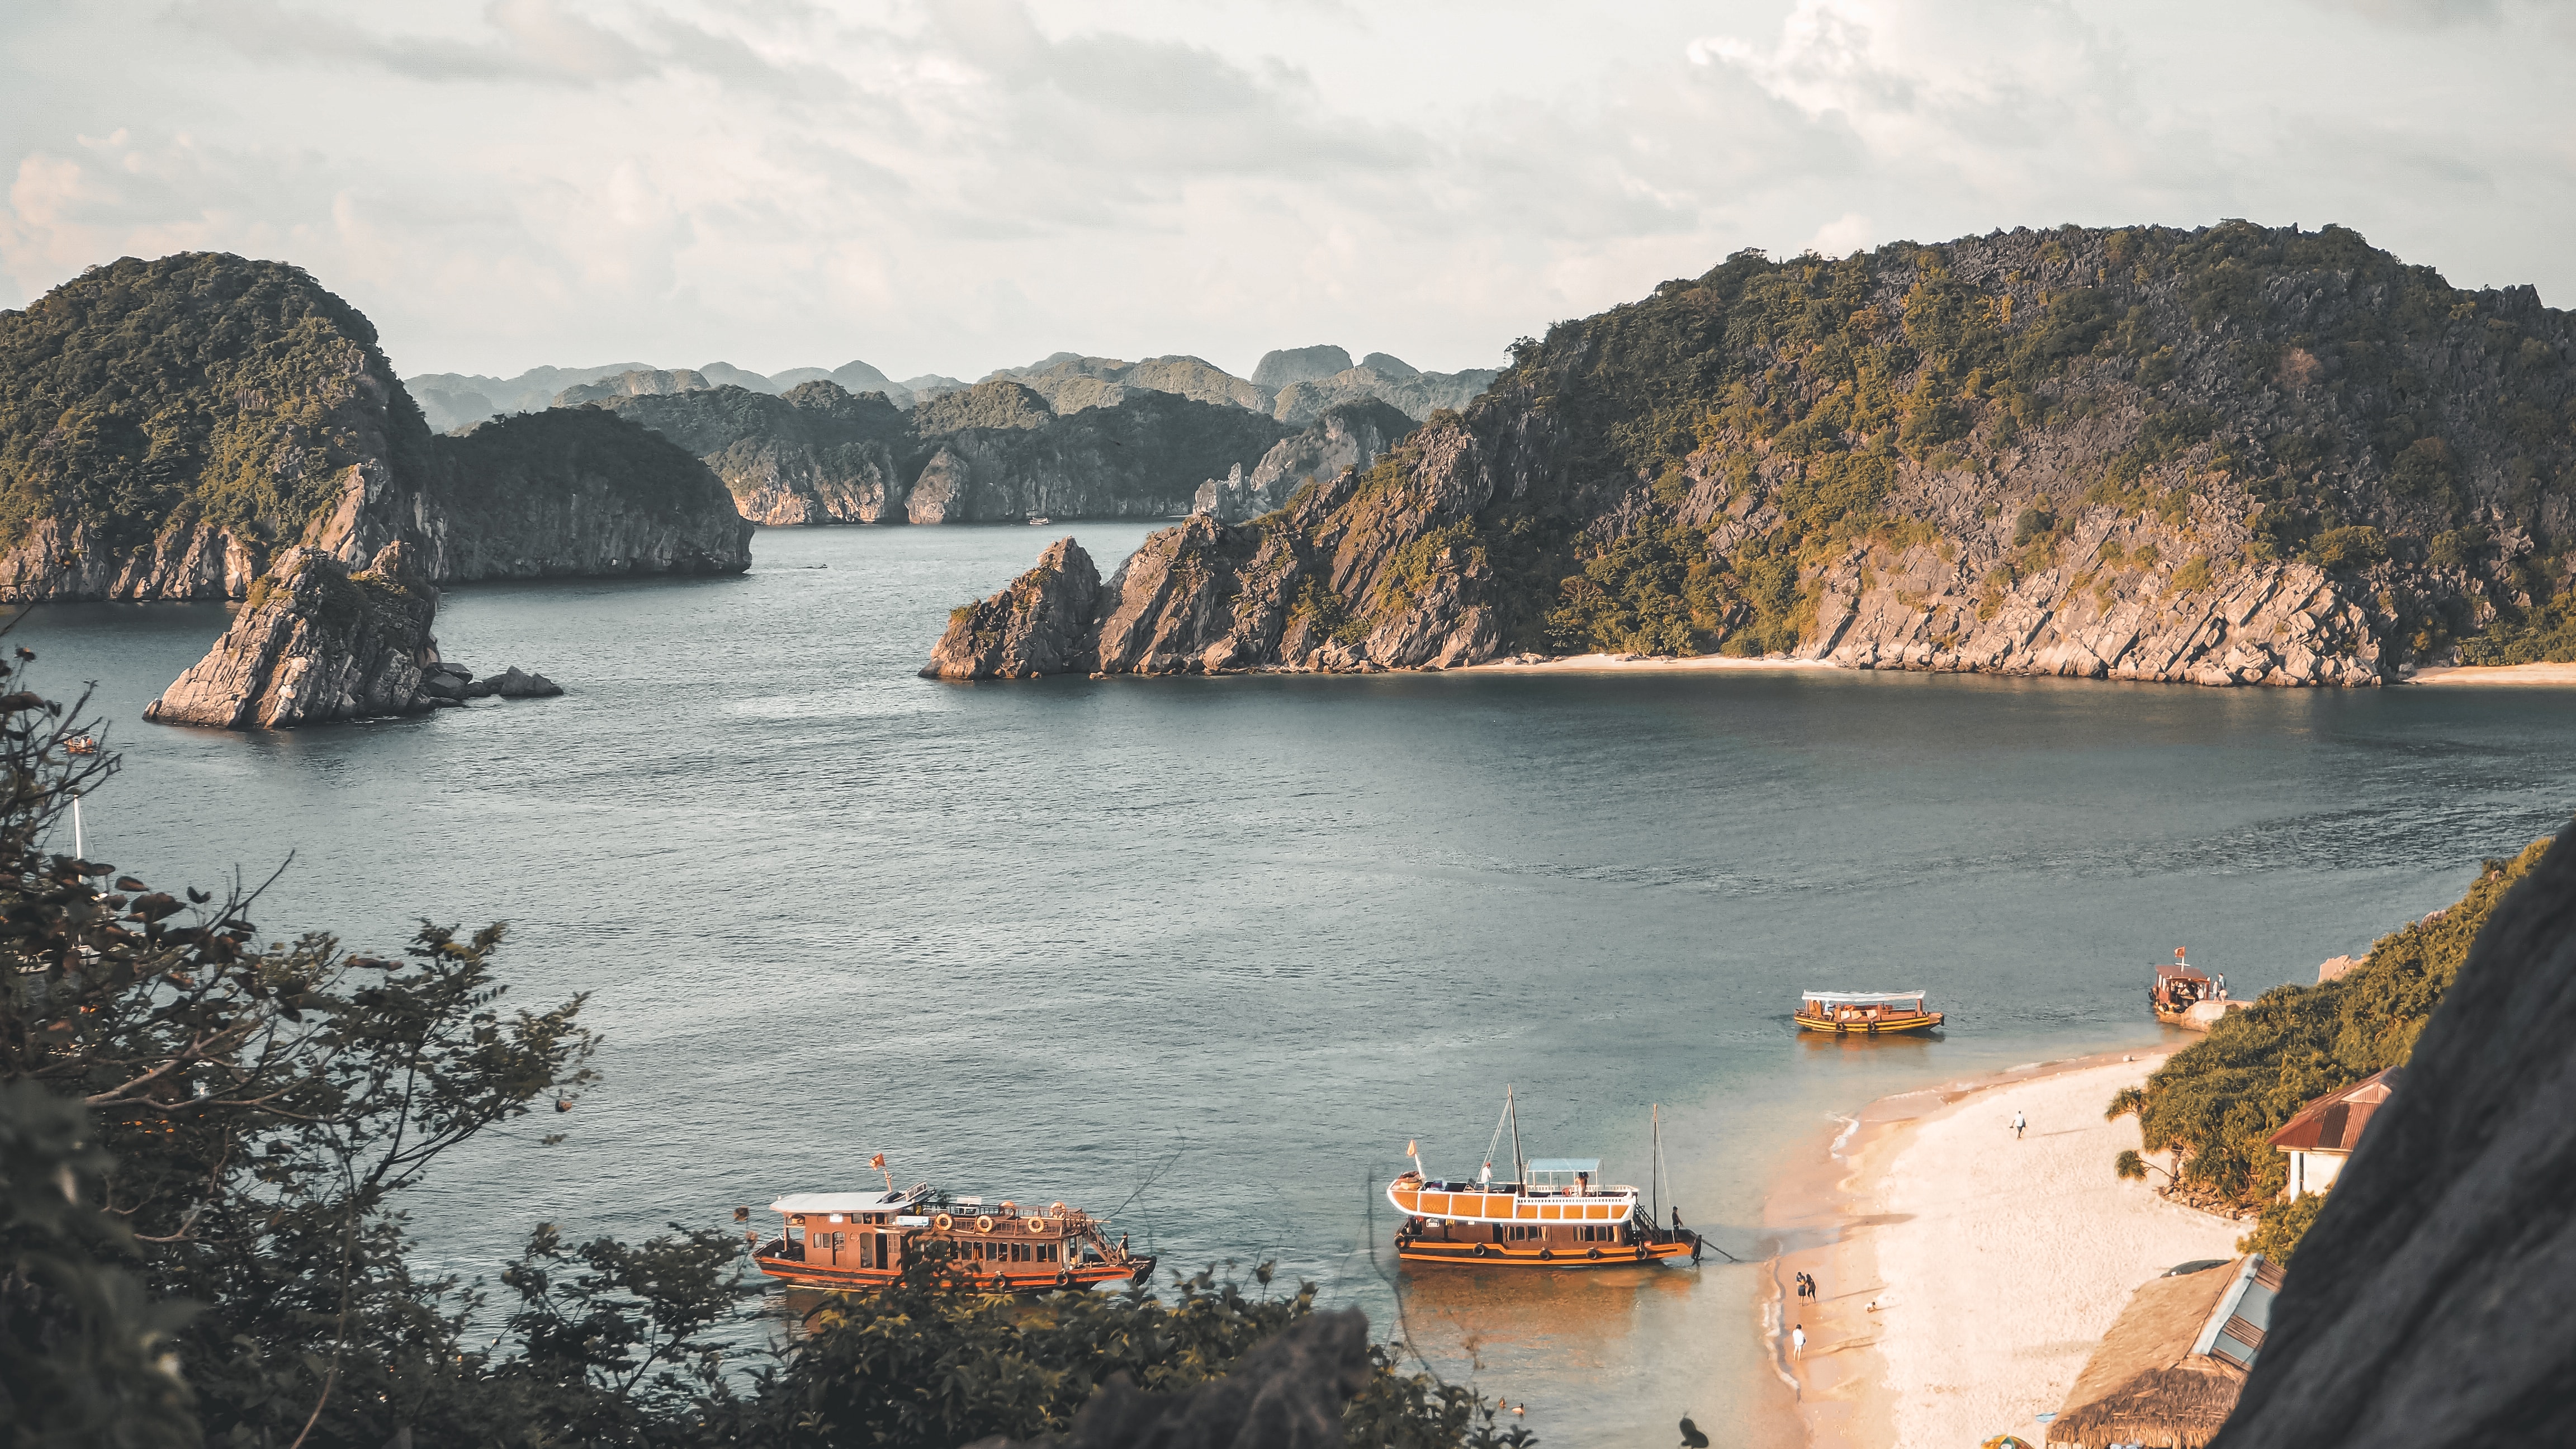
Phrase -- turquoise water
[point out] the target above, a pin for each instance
(1206, 953)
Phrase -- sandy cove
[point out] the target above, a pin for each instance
(2551, 674)
(2556, 675)
(1995, 1264)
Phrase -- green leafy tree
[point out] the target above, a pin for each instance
(2217, 1102)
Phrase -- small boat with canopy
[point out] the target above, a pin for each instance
(1555, 1212)
(1865, 1013)
(2179, 987)
(867, 1239)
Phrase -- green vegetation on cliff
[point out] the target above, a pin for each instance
(200, 385)
(2271, 393)
(2216, 1103)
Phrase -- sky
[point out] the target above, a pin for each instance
(950, 188)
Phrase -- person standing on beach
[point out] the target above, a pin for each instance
(2019, 1123)
(1798, 1341)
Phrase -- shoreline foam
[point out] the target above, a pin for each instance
(1997, 1263)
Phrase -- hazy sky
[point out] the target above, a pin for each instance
(959, 186)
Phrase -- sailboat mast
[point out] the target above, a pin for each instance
(1656, 1169)
(1520, 1169)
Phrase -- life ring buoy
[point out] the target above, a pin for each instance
(1037, 1225)
(1064, 1277)
(1594, 1254)
(1547, 1255)
(1477, 1251)
(943, 1222)
(1056, 1208)
(984, 1224)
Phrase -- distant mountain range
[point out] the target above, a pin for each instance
(1293, 386)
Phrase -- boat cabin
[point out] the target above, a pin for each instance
(1866, 1013)
(863, 1239)
(2179, 987)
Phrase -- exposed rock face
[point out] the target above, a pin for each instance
(1282, 366)
(1417, 394)
(2430, 1303)
(2229, 456)
(1039, 625)
(315, 643)
(1348, 435)
(252, 412)
(641, 383)
(1287, 1393)
(1071, 384)
(815, 455)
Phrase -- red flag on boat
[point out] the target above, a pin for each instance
(877, 1161)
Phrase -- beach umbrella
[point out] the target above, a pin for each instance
(2007, 1441)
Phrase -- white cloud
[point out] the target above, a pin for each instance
(948, 187)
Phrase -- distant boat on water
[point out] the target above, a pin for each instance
(1866, 1013)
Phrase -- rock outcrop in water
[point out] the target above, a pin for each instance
(2430, 1304)
(314, 643)
(2227, 456)
(1041, 624)
(168, 428)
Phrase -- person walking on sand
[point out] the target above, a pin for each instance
(1798, 1341)
(2019, 1123)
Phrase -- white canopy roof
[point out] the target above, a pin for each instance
(1861, 998)
(838, 1202)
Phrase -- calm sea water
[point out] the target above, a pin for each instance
(1206, 953)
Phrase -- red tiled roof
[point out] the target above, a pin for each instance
(2333, 1122)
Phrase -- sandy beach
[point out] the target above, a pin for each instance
(1599, 663)
(2547, 674)
(1965, 1275)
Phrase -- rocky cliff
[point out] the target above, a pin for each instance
(1039, 625)
(168, 427)
(314, 643)
(815, 455)
(2233, 455)
(1415, 393)
(994, 452)
(2430, 1302)
(641, 382)
(1347, 435)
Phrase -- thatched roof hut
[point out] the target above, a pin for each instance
(2168, 1372)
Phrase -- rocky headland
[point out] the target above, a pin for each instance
(2235, 455)
(999, 451)
(1344, 436)
(314, 643)
(252, 414)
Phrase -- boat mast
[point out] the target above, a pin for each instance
(80, 847)
(1520, 1169)
(1656, 1168)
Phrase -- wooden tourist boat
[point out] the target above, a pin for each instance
(1556, 1214)
(2179, 987)
(1865, 1013)
(866, 1239)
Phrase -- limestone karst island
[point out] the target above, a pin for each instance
(1811, 725)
